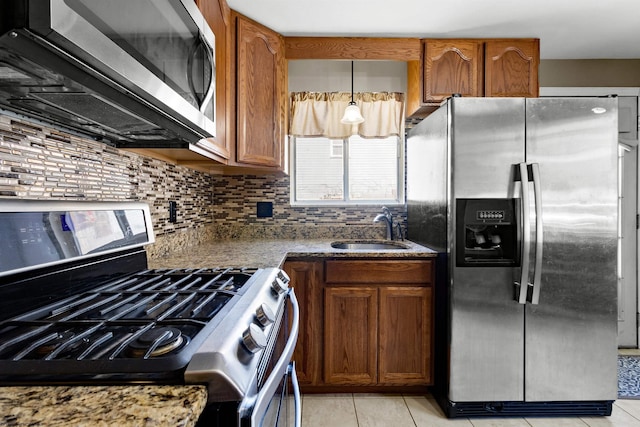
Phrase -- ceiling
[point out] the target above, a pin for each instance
(567, 29)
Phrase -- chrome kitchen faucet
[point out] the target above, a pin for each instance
(386, 216)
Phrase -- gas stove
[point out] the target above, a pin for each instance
(142, 325)
(78, 305)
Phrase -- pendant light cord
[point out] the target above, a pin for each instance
(352, 114)
(352, 82)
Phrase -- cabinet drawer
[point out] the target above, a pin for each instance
(378, 271)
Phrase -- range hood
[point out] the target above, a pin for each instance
(130, 73)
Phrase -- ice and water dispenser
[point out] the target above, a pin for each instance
(487, 233)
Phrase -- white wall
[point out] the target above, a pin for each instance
(311, 75)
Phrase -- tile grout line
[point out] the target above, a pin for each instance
(625, 411)
(355, 410)
(409, 410)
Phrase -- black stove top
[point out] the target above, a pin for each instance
(123, 325)
(150, 295)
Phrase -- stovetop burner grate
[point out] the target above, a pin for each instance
(144, 315)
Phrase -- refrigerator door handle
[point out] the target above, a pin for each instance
(523, 286)
(537, 273)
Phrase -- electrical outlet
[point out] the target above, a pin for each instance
(264, 209)
(173, 212)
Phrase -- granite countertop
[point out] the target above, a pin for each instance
(122, 406)
(273, 252)
(163, 405)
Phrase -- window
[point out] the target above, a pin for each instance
(353, 170)
(337, 163)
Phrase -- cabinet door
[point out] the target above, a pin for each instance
(218, 19)
(260, 95)
(306, 283)
(511, 67)
(451, 66)
(406, 335)
(350, 335)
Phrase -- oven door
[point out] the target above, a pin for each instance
(278, 402)
(282, 409)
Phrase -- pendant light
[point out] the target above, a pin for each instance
(352, 114)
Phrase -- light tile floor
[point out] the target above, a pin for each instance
(385, 410)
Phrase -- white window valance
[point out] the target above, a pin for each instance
(319, 114)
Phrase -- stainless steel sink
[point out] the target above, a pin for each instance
(371, 245)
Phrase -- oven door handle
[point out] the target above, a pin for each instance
(259, 404)
(297, 397)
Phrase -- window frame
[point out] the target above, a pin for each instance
(401, 179)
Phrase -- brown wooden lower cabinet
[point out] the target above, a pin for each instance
(405, 335)
(306, 279)
(364, 323)
(350, 335)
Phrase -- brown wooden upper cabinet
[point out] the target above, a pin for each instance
(472, 67)
(261, 94)
(511, 67)
(451, 66)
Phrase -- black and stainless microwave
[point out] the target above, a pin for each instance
(138, 73)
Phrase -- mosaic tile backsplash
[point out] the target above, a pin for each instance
(236, 198)
(37, 162)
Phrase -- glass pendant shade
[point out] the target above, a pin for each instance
(352, 115)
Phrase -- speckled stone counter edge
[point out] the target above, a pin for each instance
(123, 406)
(189, 237)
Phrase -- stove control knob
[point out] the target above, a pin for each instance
(265, 315)
(254, 339)
(283, 276)
(279, 286)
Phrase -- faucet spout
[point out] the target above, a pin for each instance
(380, 217)
(386, 216)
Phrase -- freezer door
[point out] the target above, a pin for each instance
(427, 180)
(571, 333)
(486, 324)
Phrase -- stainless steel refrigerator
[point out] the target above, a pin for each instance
(519, 196)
